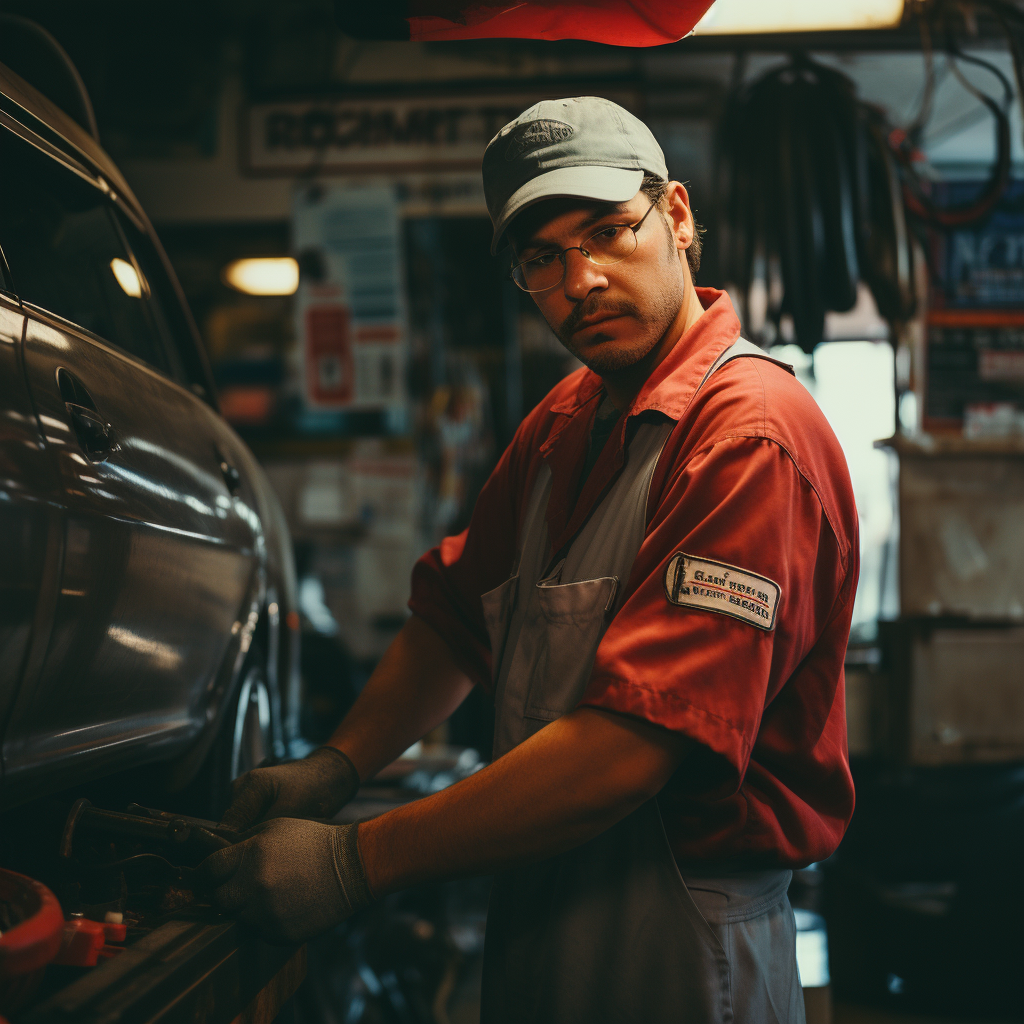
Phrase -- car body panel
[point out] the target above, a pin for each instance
(159, 559)
(29, 488)
(142, 572)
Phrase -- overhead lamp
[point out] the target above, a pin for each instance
(127, 277)
(754, 17)
(265, 275)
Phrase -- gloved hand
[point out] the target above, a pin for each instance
(290, 879)
(318, 786)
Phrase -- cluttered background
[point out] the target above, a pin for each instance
(858, 172)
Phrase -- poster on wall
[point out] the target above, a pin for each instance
(974, 372)
(349, 309)
(974, 347)
(979, 266)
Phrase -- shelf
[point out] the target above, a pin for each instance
(939, 445)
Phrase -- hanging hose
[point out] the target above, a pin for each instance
(811, 195)
(915, 192)
(816, 186)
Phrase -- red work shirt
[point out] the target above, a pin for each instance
(751, 476)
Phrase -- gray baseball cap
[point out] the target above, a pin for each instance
(582, 147)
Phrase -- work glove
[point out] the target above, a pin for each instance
(318, 786)
(289, 879)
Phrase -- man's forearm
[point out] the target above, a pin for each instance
(416, 686)
(566, 784)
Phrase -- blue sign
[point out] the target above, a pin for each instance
(981, 266)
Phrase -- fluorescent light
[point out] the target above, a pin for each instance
(756, 16)
(268, 275)
(127, 278)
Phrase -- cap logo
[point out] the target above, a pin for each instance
(536, 134)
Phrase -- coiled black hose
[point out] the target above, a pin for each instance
(817, 187)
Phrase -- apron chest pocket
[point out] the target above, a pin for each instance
(498, 605)
(556, 649)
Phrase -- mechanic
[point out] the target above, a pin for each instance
(658, 578)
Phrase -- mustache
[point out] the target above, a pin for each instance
(587, 308)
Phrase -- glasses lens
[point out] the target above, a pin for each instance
(539, 274)
(610, 244)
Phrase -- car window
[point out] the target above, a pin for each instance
(170, 319)
(66, 254)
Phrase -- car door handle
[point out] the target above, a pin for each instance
(94, 434)
(232, 477)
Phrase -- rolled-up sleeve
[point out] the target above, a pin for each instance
(709, 672)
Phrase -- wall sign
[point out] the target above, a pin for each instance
(974, 359)
(974, 356)
(359, 136)
(980, 266)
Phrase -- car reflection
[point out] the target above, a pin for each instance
(164, 655)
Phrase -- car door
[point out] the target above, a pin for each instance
(161, 562)
(29, 529)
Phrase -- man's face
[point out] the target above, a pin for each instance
(609, 316)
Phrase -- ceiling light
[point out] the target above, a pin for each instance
(268, 275)
(755, 16)
(127, 278)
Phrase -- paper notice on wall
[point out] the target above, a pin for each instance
(350, 322)
(386, 494)
(326, 498)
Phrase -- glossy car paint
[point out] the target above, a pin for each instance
(140, 574)
(29, 496)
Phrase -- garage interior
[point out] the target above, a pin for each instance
(316, 186)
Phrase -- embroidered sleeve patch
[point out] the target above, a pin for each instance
(718, 587)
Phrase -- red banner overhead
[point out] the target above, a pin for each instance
(618, 22)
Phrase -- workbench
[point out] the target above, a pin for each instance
(196, 967)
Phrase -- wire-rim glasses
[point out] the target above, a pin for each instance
(611, 244)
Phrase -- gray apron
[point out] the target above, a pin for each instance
(609, 931)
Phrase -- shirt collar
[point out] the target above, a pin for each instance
(668, 391)
(675, 379)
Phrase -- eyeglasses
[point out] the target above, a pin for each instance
(612, 244)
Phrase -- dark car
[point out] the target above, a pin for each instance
(147, 593)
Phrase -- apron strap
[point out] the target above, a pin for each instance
(741, 347)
